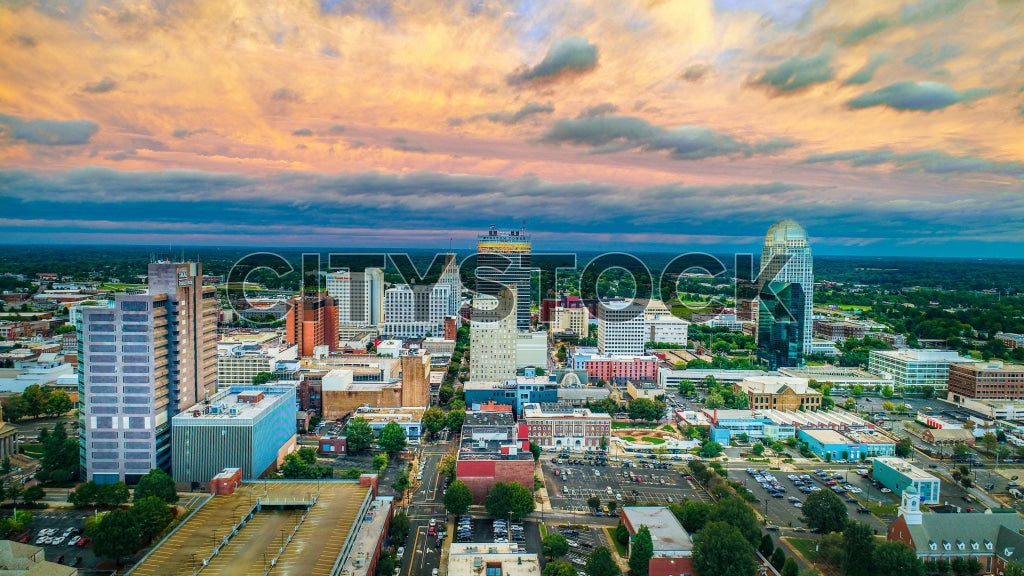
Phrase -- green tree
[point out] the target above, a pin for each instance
(445, 393)
(5, 466)
(960, 452)
(622, 534)
(644, 409)
(904, 448)
(399, 529)
(117, 536)
(559, 569)
(58, 403)
(111, 495)
(303, 464)
(778, 558)
(790, 568)
(825, 510)
(387, 564)
(887, 391)
(380, 462)
(601, 563)
(33, 494)
(85, 494)
(1013, 569)
(758, 449)
(509, 499)
(152, 515)
(535, 450)
(458, 498)
(60, 455)
(434, 419)
(735, 512)
(392, 438)
(455, 419)
(554, 545)
(263, 378)
(593, 502)
(358, 435)
(447, 466)
(641, 552)
(35, 397)
(767, 546)
(686, 387)
(722, 550)
(714, 400)
(710, 449)
(897, 558)
(612, 505)
(156, 483)
(858, 549)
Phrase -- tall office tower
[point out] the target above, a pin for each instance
(786, 301)
(311, 322)
(492, 337)
(620, 328)
(450, 277)
(358, 296)
(508, 257)
(142, 360)
(415, 311)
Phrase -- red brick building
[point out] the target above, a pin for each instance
(312, 321)
(494, 449)
(990, 380)
(673, 548)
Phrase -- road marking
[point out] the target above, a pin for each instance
(415, 549)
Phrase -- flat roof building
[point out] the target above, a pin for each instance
(897, 474)
(673, 547)
(779, 393)
(831, 445)
(928, 368)
(992, 380)
(560, 427)
(494, 449)
(465, 559)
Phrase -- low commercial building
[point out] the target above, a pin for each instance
(917, 368)
(948, 436)
(897, 474)
(670, 379)
(494, 449)
(646, 390)
(20, 559)
(410, 419)
(673, 547)
(247, 427)
(779, 393)
(993, 380)
(496, 559)
(620, 369)
(522, 390)
(839, 377)
(557, 427)
(831, 445)
(724, 424)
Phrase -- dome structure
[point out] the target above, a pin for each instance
(785, 231)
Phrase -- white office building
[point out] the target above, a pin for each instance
(928, 368)
(358, 297)
(531, 350)
(661, 326)
(575, 320)
(493, 338)
(620, 328)
(415, 312)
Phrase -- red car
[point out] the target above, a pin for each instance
(26, 538)
(83, 542)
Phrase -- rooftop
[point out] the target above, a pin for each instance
(534, 410)
(667, 534)
(910, 355)
(993, 366)
(828, 436)
(239, 403)
(904, 467)
(470, 559)
(777, 385)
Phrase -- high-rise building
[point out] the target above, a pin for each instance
(575, 320)
(311, 322)
(415, 311)
(661, 326)
(358, 297)
(620, 328)
(450, 277)
(504, 260)
(492, 337)
(141, 361)
(786, 299)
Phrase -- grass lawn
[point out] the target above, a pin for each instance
(543, 531)
(620, 548)
(653, 440)
(627, 425)
(629, 439)
(855, 307)
(668, 428)
(883, 509)
(805, 547)
(33, 450)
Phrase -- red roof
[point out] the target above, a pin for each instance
(524, 432)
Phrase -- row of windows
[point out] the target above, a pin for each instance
(115, 409)
(112, 465)
(125, 368)
(100, 379)
(128, 435)
(107, 445)
(127, 455)
(113, 338)
(97, 400)
(128, 348)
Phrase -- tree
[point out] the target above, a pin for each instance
(434, 419)
(559, 569)
(509, 499)
(399, 529)
(758, 449)
(722, 550)
(960, 451)
(303, 464)
(888, 406)
(714, 400)
(156, 483)
(263, 378)
(392, 438)
(112, 495)
(84, 494)
(622, 534)
(58, 403)
(118, 535)
(5, 466)
(535, 450)
(152, 515)
(825, 511)
(858, 548)
(641, 552)
(447, 466)
(554, 545)
(33, 494)
(60, 455)
(905, 447)
(644, 409)
(735, 512)
(358, 435)
(458, 498)
(380, 462)
(710, 449)
(35, 397)
(686, 387)
(387, 564)
(897, 558)
(789, 567)
(886, 391)
(778, 558)
(593, 502)
(1013, 569)
(601, 563)
(767, 546)
(456, 417)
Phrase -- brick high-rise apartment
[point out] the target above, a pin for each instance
(312, 321)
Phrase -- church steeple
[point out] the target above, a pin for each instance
(910, 505)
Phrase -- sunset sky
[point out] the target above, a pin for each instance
(884, 127)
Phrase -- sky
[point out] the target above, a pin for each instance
(883, 127)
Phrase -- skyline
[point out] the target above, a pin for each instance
(882, 128)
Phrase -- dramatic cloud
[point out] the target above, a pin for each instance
(510, 118)
(47, 132)
(865, 74)
(401, 144)
(302, 132)
(798, 73)
(336, 129)
(929, 57)
(285, 95)
(929, 161)
(922, 96)
(105, 85)
(921, 13)
(568, 55)
(602, 109)
(865, 31)
(616, 133)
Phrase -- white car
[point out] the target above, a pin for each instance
(57, 541)
(74, 540)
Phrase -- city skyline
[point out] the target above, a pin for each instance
(883, 128)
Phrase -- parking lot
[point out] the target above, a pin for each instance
(59, 523)
(582, 540)
(631, 480)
